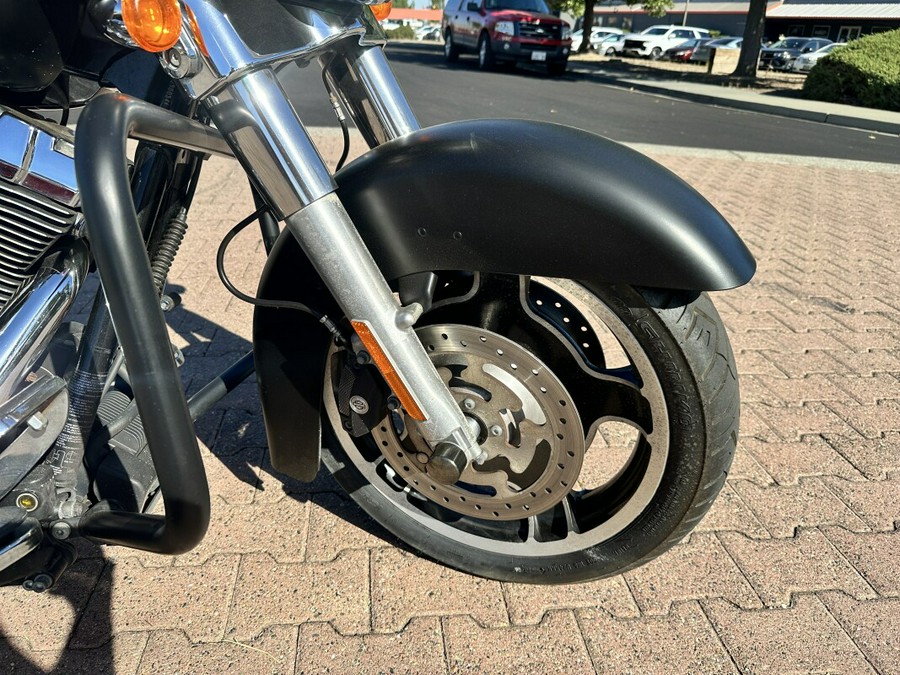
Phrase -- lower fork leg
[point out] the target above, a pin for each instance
(332, 243)
(259, 122)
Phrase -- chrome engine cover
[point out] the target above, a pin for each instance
(39, 201)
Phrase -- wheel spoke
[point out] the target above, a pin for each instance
(617, 399)
(500, 298)
(568, 505)
(555, 523)
(540, 527)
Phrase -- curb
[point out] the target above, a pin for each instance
(760, 106)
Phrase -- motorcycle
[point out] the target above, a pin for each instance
(496, 335)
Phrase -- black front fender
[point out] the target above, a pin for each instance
(499, 196)
(543, 199)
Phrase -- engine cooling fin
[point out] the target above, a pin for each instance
(38, 195)
(29, 225)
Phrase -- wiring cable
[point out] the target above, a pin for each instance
(341, 118)
(260, 302)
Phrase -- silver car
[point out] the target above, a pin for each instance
(598, 34)
(611, 45)
(805, 62)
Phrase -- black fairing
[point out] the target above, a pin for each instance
(35, 36)
(29, 53)
(499, 196)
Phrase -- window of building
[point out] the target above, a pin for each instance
(821, 31)
(847, 33)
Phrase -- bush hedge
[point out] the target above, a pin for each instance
(865, 72)
(401, 33)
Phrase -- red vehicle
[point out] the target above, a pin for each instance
(685, 50)
(508, 31)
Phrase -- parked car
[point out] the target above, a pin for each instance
(653, 41)
(805, 62)
(611, 45)
(506, 30)
(781, 55)
(683, 51)
(702, 54)
(428, 33)
(598, 33)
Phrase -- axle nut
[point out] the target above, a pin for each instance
(446, 463)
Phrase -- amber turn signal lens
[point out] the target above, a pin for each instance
(195, 29)
(154, 24)
(382, 10)
(391, 376)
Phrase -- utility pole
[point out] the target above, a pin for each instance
(687, 3)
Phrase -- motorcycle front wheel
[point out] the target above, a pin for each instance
(609, 415)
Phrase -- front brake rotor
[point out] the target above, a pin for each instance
(528, 426)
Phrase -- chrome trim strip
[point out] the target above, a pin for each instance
(26, 538)
(29, 322)
(240, 37)
(40, 155)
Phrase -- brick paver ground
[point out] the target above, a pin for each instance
(793, 570)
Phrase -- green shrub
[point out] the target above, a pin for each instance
(865, 72)
(401, 33)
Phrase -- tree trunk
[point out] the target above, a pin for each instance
(753, 33)
(586, 25)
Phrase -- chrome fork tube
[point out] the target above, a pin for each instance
(365, 82)
(257, 120)
(265, 132)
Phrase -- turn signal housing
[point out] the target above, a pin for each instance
(154, 25)
(382, 10)
(384, 365)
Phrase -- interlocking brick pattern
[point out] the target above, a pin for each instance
(793, 570)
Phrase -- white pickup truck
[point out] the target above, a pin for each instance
(654, 41)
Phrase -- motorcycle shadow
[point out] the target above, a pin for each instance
(233, 432)
(43, 646)
(73, 627)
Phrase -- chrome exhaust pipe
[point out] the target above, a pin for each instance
(29, 321)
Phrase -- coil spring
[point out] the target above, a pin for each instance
(168, 246)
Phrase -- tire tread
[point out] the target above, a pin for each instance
(712, 383)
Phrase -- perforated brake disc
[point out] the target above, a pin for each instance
(527, 424)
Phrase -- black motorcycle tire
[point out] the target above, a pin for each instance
(684, 339)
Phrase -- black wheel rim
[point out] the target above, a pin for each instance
(619, 397)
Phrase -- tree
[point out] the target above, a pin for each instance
(753, 33)
(586, 24)
(652, 7)
(403, 4)
(655, 8)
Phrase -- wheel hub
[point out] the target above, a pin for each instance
(529, 428)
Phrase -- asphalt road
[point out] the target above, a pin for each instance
(441, 92)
